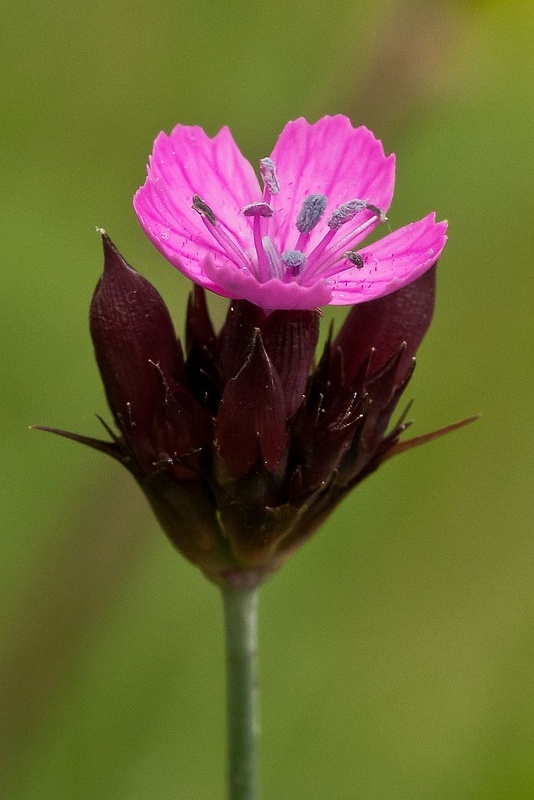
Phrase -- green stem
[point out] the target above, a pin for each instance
(241, 625)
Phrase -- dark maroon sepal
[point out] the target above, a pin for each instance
(181, 429)
(252, 415)
(199, 332)
(322, 435)
(401, 447)
(202, 348)
(241, 321)
(383, 394)
(386, 323)
(327, 378)
(112, 449)
(290, 339)
(132, 332)
(382, 383)
(329, 448)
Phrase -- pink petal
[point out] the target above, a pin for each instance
(186, 163)
(329, 157)
(233, 282)
(392, 262)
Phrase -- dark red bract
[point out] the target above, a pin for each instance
(243, 445)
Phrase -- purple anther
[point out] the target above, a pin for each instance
(294, 259)
(268, 175)
(345, 212)
(258, 210)
(311, 212)
(203, 209)
(379, 213)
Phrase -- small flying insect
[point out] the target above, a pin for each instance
(355, 258)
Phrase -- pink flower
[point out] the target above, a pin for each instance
(294, 241)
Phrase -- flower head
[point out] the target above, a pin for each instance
(292, 239)
(242, 444)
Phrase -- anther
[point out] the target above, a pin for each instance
(379, 213)
(311, 212)
(203, 209)
(216, 229)
(294, 260)
(268, 175)
(345, 212)
(258, 210)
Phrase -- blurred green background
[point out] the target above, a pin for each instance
(397, 646)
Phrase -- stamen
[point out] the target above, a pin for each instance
(293, 258)
(230, 247)
(321, 247)
(331, 255)
(227, 244)
(263, 269)
(355, 258)
(268, 175)
(348, 239)
(258, 210)
(276, 269)
(311, 212)
(203, 209)
(295, 261)
(345, 212)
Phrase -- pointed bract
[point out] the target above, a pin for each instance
(140, 361)
(238, 331)
(290, 339)
(251, 423)
(202, 366)
(382, 326)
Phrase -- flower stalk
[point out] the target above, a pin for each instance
(241, 635)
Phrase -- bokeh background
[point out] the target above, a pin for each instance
(397, 646)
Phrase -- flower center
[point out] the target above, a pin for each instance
(303, 264)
